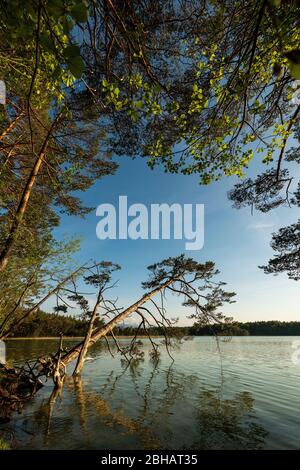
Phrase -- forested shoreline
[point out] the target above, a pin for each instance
(43, 324)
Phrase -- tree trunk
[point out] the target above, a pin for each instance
(87, 339)
(8, 244)
(103, 330)
(10, 126)
(4, 255)
(36, 306)
(58, 377)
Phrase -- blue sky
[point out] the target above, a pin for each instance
(234, 239)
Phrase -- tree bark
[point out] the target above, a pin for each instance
(36, 306)
(87, 339)
(58, 377)
(10, 126)
(4, 255)
(103, 330)
(8, 244)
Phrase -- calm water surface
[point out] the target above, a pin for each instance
(247, 397)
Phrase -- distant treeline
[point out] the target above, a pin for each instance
(50, 324)
(260, 328)
(257, 328)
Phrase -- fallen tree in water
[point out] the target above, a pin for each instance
(194, 282)
(181, 276)
(17, 385)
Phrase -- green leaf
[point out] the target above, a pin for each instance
(294, 62)
(67, 24)
(56, 8)
(79, 12)
(46, 42)
(295, 70)
(293, 56)
(76, 66)
(57, 72)
(157, 88)
(71, 51)
(275, 3)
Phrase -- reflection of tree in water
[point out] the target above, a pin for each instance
(43, 420)
(153, 422)
(220, 423)
(112, 418)
(228, 423)
(86, 404)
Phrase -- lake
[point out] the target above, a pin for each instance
(237, 394)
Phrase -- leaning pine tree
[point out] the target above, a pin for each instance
(193, 281)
